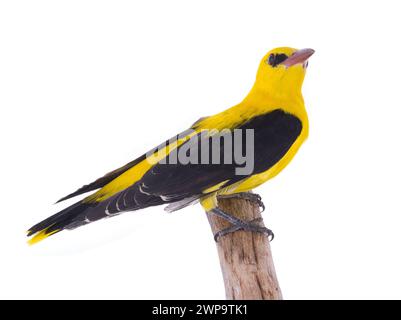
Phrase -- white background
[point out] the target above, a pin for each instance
(86, 86)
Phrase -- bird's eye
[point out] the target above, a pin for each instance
(272, 59)
(276, 59)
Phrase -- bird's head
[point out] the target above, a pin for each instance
(282, 71)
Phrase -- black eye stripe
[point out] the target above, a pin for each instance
(276, 59)
(280, 58)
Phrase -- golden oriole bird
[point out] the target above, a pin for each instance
(184, 169)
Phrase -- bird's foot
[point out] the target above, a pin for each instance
(252, 197)
(238, 224)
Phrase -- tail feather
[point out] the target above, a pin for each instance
(84, 212)
(41, 235)
(57, 222)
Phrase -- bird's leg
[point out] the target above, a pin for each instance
(253, 197)
(239, 224)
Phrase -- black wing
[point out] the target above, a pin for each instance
(274, 133)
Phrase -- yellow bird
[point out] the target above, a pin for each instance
(207, 162)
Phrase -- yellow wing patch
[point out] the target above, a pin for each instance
(129, 177)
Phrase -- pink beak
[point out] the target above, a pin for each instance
(298, 57)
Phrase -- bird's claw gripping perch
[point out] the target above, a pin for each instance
(238, 224)
(247, 226)
(252, 197)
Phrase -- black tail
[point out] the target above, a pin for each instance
(62, 220)
(82, 212)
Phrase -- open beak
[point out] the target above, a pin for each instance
(298, 57)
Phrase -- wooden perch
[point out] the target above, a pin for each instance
(245, 257)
